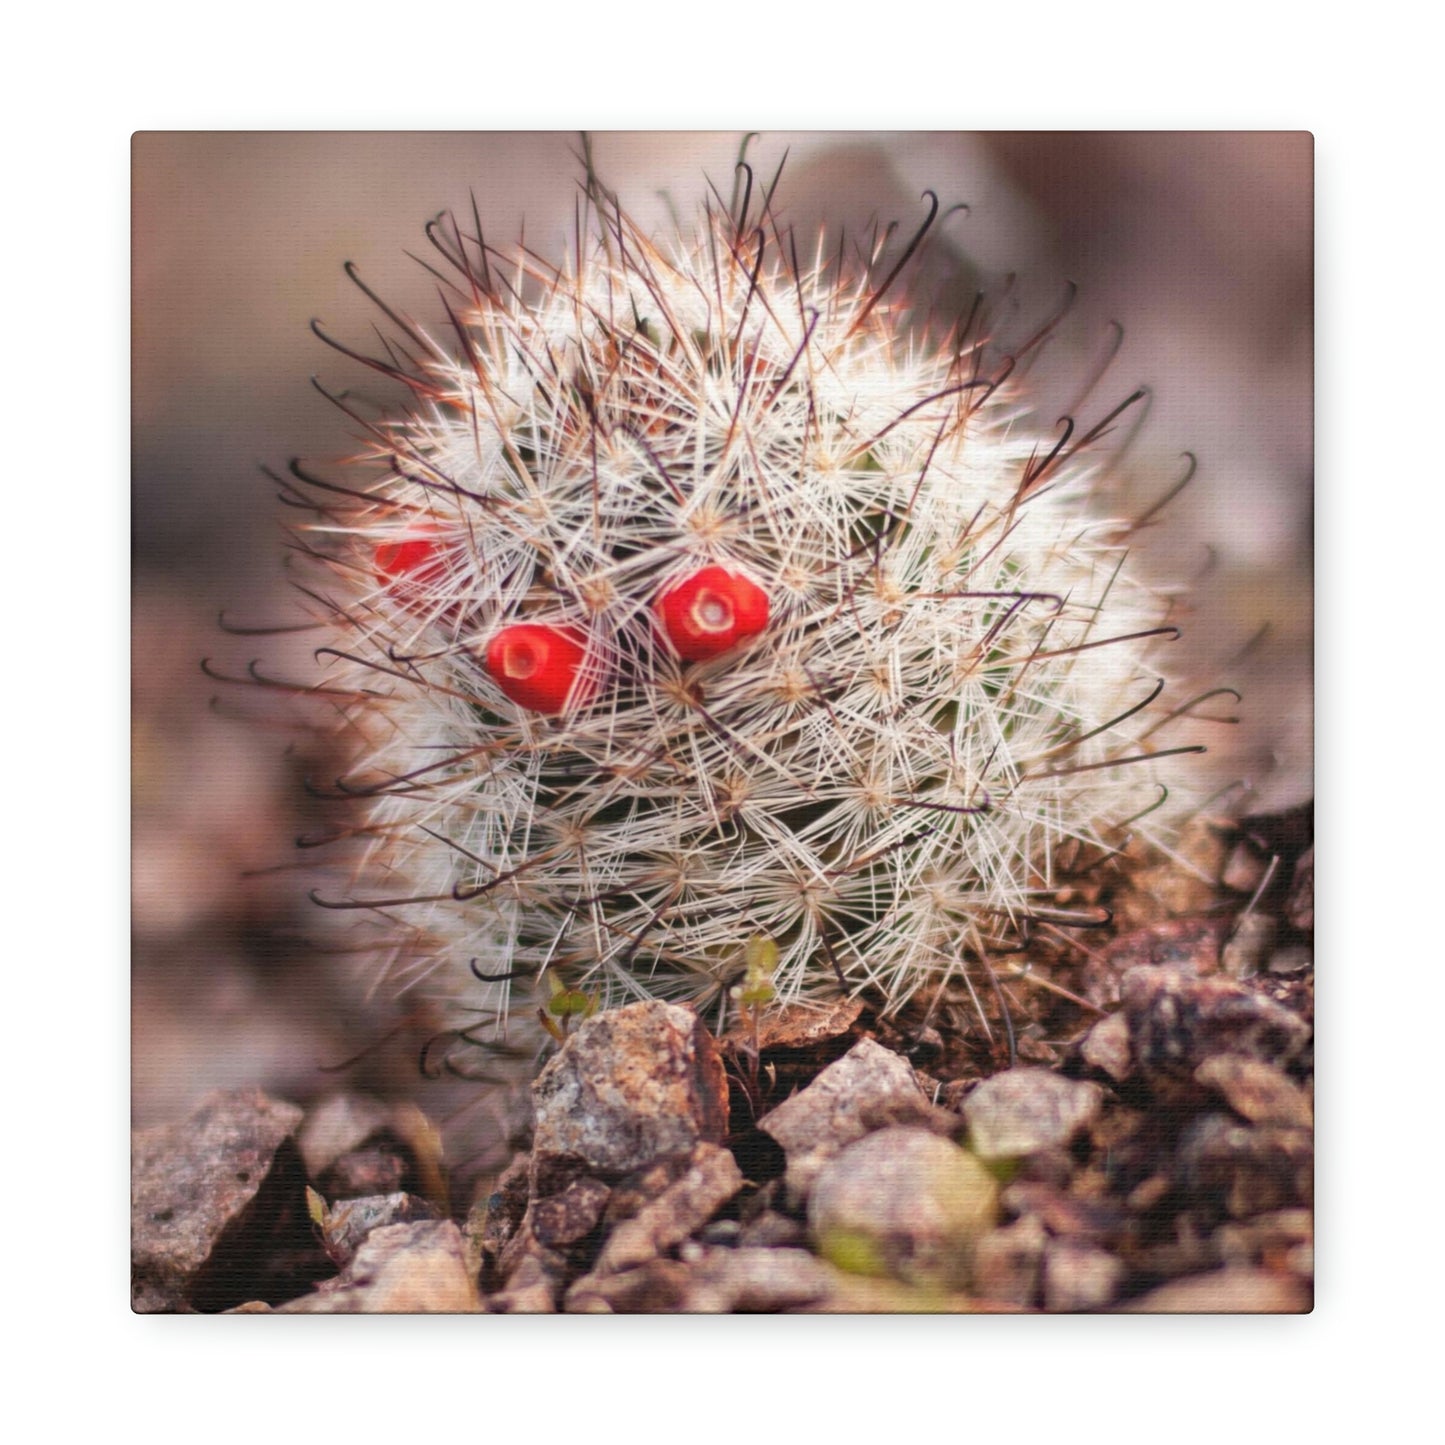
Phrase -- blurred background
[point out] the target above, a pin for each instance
(1198, 244)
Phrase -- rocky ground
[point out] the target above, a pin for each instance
(1119, 1124)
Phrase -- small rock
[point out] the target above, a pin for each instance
(658, 1287)
(634, 1192)
(1007, 1263)
(357, 1147)
(683, 1207)
(912, 1109)
(1147, 1193)
(207, 1195)
(1054, 1165)
(1106, 1047)
(527, 1269)
(1249, 945)
(1257, 1091)
(1022, 1111)
(903, 1202)
(719, 1281)
(1226, 1292)
(630, 1086)
(573, 1214)
(1063, 1215)
(1034, 1050)
(381, 1168)
(925, 1046)
(757, 1281)
(399, 1269)
(1077, 1279)
(1268, 1240)
(1177, 1020)
(1188, 943)
(721, 1231)
(346, 1224)
(495, 1219)
(1248, 1169)
(771, 1230)
(832, 1111)
(1293, 958)
(1115, 1127)
(1183, 1251)
(533, 1284)
(797, 1026)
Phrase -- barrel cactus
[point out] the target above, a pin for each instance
(693, 598)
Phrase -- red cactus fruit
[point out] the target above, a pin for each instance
(536, 665)
(712, 611)
(409, 564)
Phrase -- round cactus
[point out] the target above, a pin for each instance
(692, 599)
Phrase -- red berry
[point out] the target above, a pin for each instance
(410, 563)
(711, 612)
(536, 666)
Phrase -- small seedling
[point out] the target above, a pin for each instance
(565, 1004)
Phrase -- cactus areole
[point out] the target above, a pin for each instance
(766, 612)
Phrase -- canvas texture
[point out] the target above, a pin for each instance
(723, 723)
